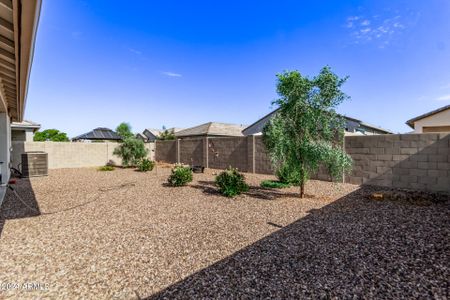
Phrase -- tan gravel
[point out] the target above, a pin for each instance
(125, 234)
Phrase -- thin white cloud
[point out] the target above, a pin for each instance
(374, 29)
(351, 21)
(444, 98)
(137, 52)
(171, 74)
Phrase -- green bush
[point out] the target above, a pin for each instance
(106, 168)
(145, 165)
(231, 182)
(272, 184)
(287, 175)
(180, 175)
(131, 150)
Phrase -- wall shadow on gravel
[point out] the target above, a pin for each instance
(353, 247)
(13, 208)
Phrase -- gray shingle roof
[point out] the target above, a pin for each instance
(259, 125)
(212, 129)
(155, 132)
(100, 133)
(141, 136)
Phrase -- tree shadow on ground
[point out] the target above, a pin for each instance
(14, 208)
(352, 248)
(210, 188)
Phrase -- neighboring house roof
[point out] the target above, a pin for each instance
(368, 125)
(212, 129)
(25, 125)
(411, 122)
(141, 136)
(258, 126)
(99, 134)
(157, 132)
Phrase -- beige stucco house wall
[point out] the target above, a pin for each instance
(436, 122)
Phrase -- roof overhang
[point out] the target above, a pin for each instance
(18, 24)
(25, 125)
(411, 122)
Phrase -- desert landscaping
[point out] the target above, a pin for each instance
(127, 234)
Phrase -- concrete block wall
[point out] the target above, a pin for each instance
(248, 154)
(166, 151)
(415, 161)
(72, 155)
(225, 152)
(191, 151)
(263, 164)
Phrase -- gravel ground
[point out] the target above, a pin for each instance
(126, 235)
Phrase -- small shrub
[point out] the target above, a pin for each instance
(145, 165)
(131, 150)
(180, 175)
(272, 184)
(106, 168)
(231, 182)
(286, 175)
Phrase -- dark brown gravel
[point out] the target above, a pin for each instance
(353, 248)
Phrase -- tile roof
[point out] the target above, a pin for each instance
(212, 128)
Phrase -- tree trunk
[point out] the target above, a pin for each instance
(302, 190)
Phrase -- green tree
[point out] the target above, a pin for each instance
(306, 132)
(130, 149)
(166, 134)
(52, 135)
(124, 130)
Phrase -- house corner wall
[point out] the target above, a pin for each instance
(5, 145)
(29, 135)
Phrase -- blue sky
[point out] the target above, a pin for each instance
(182, 63)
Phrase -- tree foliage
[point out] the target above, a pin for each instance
(52, 135)
(124, 130)
(131, 149)
(166, 134)
(306, 132)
